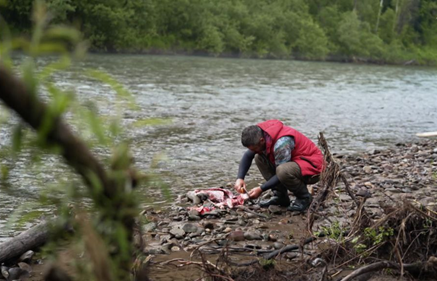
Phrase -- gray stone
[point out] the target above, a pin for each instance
(191, 195)
(193, 218)
(177, 232)
(209, 225)
(16, 273)
(175, 249)
(275, 209)
(237, 235)
(253, 235)
(367, 169)
(27, 256)
(193, 213)
(190, 228)
(227, 230)
(165, 238)
(151, 226)
(252, 246)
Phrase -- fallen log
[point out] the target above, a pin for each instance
(30, 239)
(417, 268)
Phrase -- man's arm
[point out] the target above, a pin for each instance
(283, 151)
(245, 163)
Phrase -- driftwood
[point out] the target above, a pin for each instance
(414, 268)
(329, 179)
(31, 239)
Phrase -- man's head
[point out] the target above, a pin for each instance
(252, 137)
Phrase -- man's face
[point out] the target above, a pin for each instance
(258, 148)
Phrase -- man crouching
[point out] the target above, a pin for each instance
(287, 160)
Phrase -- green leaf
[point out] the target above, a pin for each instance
(17, 138)
(49, 48)
(4, 172)
(96, 127)
(116, 86)
(63, 33)
(29, 76)
(152, 122)
(63, 63)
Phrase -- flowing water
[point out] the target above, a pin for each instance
(209, 101)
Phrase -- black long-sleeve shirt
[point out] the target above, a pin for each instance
(283, 151)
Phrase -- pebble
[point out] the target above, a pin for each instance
(149, 227)
(190, 228)
(236, 235)
(177, 232)
(253, 235)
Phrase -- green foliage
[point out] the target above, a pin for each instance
(334, 231)
(386, 26)
(103, 235)
(312, 42)
(377, 236)
(314, 29)
(371, 237)
(267, 264)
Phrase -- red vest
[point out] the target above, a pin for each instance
(305, 153)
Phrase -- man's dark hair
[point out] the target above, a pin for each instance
(251, 135)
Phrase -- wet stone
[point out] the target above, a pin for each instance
(25, 266)
(272, 238)
(237, 235)
(193, 218)
(17, 273)
(275, 209)
(367, 169)
(252, 246)
(165, 238)
(406, 190)
(149, 227)
(27, 256)
(154, 251)
(227, 230)
(193, 213)
(189, 228)
(177, 232)
(394, 190)
(252, 235)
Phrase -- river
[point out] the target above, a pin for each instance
(210, 100)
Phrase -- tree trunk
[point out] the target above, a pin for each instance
(28, 240)
(379, 15)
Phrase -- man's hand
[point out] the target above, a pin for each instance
(255, 193)
(240, 186)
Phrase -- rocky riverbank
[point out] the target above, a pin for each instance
(231, 239)
(404, 172)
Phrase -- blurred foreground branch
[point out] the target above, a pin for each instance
(107, 187)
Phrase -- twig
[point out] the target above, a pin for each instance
(206, 243)
(252, 212)
(369, 268)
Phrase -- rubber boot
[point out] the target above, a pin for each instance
(278, 198)
(301, 203)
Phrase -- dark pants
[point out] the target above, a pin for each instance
(289, 175)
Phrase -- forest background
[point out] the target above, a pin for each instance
(378, 31)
